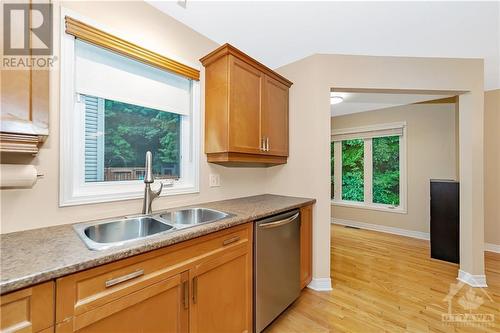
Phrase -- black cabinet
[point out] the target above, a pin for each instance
(445, 226)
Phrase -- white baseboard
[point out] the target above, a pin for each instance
(478, 281)
(382, 228)
(492, 247)
(321, 284)
(401, 232)
(472, 280)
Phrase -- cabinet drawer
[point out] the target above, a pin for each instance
(156, 308)
(28, 310)
(88, 290)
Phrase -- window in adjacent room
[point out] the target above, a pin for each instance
(114, 109)
(371, 170)
(386, 170)
(352, 170)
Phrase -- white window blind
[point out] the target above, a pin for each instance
(368, 132)
(105, 74)
(94, 138)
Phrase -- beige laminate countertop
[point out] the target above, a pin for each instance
(35, 256)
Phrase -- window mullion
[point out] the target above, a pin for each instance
(403, 182)
(368, 171)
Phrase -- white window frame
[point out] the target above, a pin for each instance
(73, 190)
(368, 168)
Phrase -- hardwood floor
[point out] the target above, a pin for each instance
(388, 283)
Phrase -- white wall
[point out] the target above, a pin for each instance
(492, 167)
(308, 171)
(308, 164)
(308, 168)
(462, 29)
(430, 151)
(137, 22)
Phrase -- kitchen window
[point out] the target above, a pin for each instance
(118, 134)
(368, 167)
(114, 108)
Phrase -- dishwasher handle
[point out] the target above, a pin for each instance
(279, 223)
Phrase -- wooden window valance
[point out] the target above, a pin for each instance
(98, 37)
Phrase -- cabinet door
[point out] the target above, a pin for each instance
(275, 116)
(222, 292)
(28, 310)
(24, 106)
(161, 307)
(305, 246)
(245, 106)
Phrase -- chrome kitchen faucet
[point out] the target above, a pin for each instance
(149, 194)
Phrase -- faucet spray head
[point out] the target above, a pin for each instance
(148, 174)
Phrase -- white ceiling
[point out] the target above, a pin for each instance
(281, 32)
(361, 102)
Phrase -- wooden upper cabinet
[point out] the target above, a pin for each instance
(24, 110)
(28, 310)
(244, 99)
(275, 116)
(246, 110)
(24, 106)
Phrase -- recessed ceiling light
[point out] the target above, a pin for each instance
(336, 100)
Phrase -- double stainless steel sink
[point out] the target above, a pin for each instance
(102, 235)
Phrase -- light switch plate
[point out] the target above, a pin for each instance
(214, 180)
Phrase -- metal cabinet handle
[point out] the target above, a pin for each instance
(195, 289)
(263, 144)
(230, 240)
(185, 287)
(278, 223)
(267, 144)
(123, 278)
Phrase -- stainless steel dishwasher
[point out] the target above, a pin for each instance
(276, 266)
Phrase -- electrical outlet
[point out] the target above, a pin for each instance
(214, 180)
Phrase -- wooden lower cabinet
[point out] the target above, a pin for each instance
(48, 330)
(201, 285)
(28, 310)
(222, 292)
(156, 308)
(306, 222)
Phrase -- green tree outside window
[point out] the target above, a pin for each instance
(353, 170)
(131, 130)
(386, 170)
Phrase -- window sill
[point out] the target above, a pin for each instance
(96, 197)
(361, 205)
